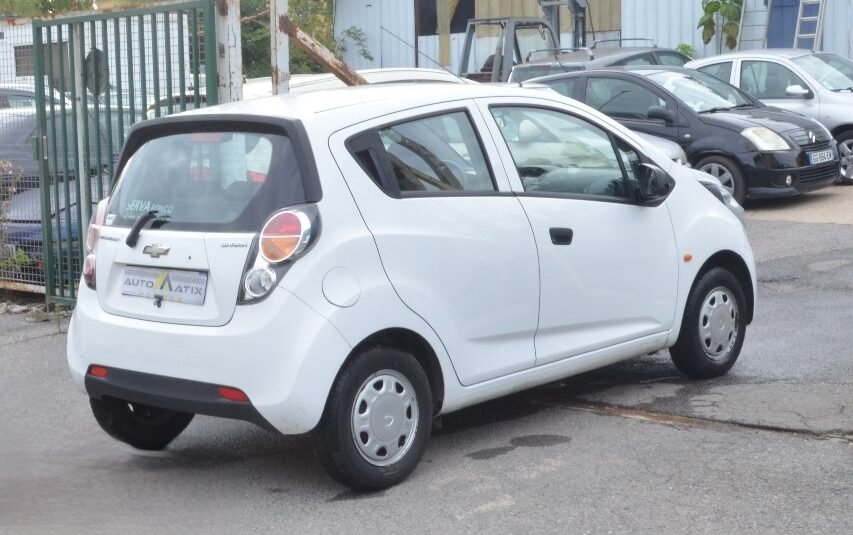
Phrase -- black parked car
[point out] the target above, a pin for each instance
(548, 62)
(755, 151)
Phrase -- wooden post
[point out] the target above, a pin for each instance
(229, 59)
(443, 19)
(320, 53)
(280, 52)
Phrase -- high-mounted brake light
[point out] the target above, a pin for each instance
(284, 235)
(92, 235)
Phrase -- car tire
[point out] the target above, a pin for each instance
(141, 426)
(377, 421)
(713, 326)
(728, 172)
(846, 138)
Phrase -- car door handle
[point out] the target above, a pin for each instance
(561, 236)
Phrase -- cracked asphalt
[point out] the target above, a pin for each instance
(632, 448)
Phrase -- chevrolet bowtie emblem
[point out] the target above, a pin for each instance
(155, 250)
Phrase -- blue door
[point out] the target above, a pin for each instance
(782, 24)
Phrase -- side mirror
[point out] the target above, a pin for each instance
(797, 90)
(658, 112)
(654, 184)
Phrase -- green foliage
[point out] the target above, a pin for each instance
(37, 8)
(730, 11)
(686, 49)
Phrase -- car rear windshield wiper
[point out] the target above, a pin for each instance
(140, 223)
(727, 108)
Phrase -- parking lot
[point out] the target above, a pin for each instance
(635, 447)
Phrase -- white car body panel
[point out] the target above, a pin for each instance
(437, 249)
(373, 268)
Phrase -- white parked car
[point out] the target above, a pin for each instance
(356, 262)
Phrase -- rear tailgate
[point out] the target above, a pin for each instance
(200, 190)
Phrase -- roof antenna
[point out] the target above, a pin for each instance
(442, 67)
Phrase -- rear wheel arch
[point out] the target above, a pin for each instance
(732, 262)
(413, 343)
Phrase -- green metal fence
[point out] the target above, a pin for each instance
(95, 76)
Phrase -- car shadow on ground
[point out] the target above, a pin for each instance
(245, 453)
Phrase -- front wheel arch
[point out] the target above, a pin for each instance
(732, 262)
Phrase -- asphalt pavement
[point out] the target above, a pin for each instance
(632, 448)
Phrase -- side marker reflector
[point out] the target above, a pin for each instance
(98, 371)
(232, 394)
(688, 257)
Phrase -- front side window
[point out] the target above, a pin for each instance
(765, 79)
(440, 153)
(621, 99)
(832, 72)
(723, 70)
(555, 152)
(214, 181)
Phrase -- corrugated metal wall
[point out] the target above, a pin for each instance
(838, 28)
(371, 16)
(671, 22)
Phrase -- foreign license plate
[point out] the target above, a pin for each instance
(176, 285)
(820, 156)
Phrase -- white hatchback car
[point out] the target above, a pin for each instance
(359, 261)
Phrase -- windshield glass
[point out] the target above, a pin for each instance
(831, 71)
(213, 181)
(531, 39)
(700, 91)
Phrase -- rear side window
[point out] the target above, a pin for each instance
(565, 87)
(642, 59)
(672, 58)
(621, 98)
(440, 153)
(211, 181)
(723, 70)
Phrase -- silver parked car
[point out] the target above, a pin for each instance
(818, 85)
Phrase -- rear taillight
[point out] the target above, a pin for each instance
(92, 235)
(285, 236)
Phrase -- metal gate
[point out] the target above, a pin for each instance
(96, 75)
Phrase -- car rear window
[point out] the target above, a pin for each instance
(211, 181)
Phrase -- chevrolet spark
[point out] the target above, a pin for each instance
(356, 262)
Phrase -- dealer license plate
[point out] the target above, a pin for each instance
(176, 285)
(820, 156)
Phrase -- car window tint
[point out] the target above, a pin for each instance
(764, 79)
(642, 59)
(565, 87)
(555, 152)
(435, 154)
(671, 58)
(621, 99)
(723, 70)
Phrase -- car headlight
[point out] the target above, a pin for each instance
(765, 139)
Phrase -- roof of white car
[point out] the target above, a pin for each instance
(358, 103)
(764, 52)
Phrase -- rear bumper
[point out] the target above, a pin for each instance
(280, 352)
(168, 392)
